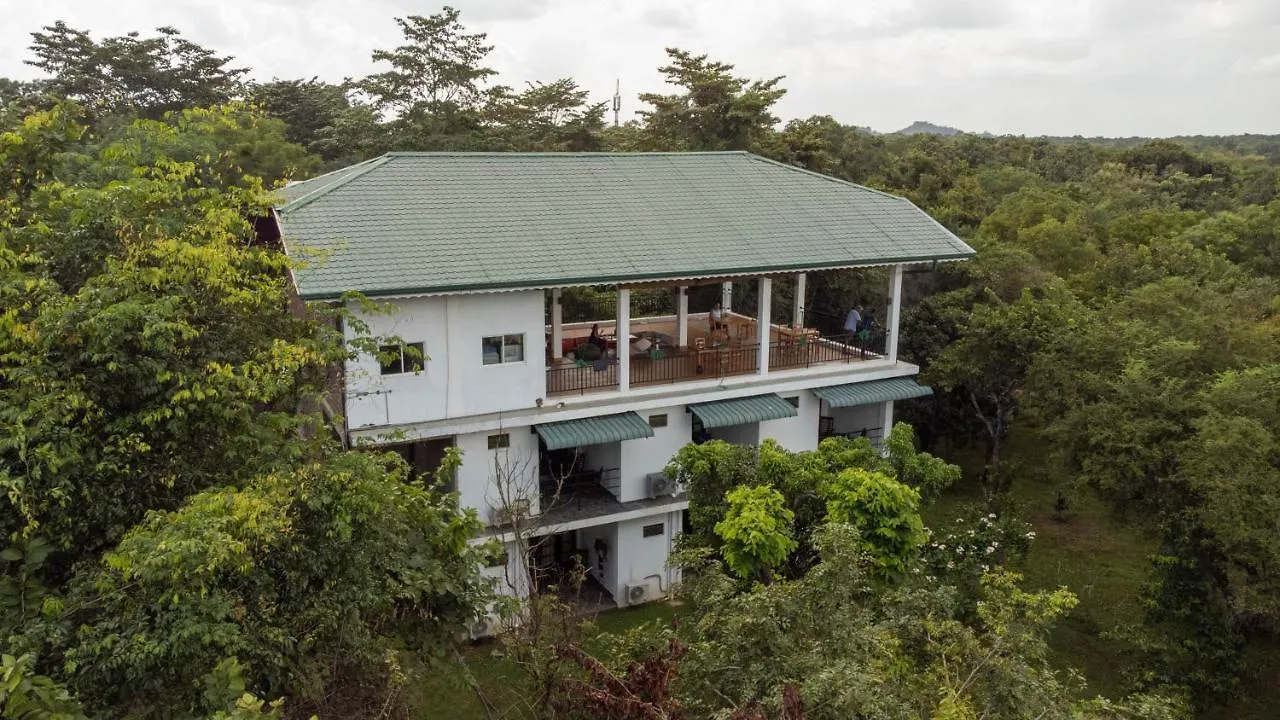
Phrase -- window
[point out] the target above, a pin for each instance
(403, 358)
(653, 530)
(658, 420)
(499, 441)
(794, 401)
(498, 349)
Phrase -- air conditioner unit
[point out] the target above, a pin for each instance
(660, 485)
(635, 594)
(484, 627)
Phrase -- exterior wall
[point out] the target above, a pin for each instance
(513, 578)
(799, 433)
(857, 418)
(454, 381)
(651, 455)
(745, 434)
(482, 469)
(643, 560)
(605, 571)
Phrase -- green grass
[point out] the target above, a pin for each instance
(445, 696)
(1103, 561)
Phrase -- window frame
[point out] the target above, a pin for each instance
(399, 363)
(649, 531)
(793, 401)
(662, 420)
(503, 342)
(499, 441)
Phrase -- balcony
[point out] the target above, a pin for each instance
(656, 359)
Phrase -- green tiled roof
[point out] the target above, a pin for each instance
(593, 431)
(443, 222)
(876, 391)
(739, 411)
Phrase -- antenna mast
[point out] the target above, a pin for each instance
(617, 100)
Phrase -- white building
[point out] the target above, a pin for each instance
(479, 257)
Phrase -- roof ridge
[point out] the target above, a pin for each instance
(830, 178)
(323, 190)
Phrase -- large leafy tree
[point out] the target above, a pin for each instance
(132, 74)
(715, 110)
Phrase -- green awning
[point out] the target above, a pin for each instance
(876, 391)
(593, 431)
(740, 411)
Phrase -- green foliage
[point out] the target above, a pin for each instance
(756, 531)
(130, 74)
(715, 111)
(298, 576)
(885, 512)
(25, 695)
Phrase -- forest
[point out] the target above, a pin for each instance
(183, 537)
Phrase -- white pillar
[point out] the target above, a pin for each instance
(895, 312)
(682, 316)
(623, 334)
(557, 325)
(726, 295)
(886, 424)
(764, 311)
(797, 309)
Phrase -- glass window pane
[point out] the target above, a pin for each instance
(491, 349)
(513, 348)
(391, 359)
(414, 358)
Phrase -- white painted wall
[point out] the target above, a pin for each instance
(454, 382)
(512, 579)
(651, 455)
(482, 469)
(607, 572)
(643, 560)
(856, 418)
(745, 434)
(798, 433)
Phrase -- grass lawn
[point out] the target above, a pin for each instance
(1104, 562)
(448, 698)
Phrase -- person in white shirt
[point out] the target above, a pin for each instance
(717, 317)
(853, 322)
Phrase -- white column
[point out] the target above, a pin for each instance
(895, 312)
(797, 309)
(557, 325)
(886, 424)
(764, 311)
(726, 295)
(682, 316)
(623, 334)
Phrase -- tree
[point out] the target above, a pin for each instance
(309, 109)
(756, 531)
(436, 72)
(304, 577)
(885, 512)
(131, 74)
(715, 111)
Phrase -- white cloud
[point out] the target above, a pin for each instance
(1115, 67)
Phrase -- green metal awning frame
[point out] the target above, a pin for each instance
(739, 411)
(593, 431)
(868, 393)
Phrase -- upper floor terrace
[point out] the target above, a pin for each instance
(475, 253)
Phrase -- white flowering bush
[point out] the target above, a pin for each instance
(959, 553)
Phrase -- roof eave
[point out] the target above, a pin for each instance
(613, 280)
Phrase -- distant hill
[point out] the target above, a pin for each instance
(921, 127)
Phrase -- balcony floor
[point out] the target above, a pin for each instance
(728, 353)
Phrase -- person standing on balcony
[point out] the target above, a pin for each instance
(865, 330)
(717, 317)
(853, 322)
(595, 338)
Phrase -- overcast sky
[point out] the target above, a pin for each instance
(1058, 67)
